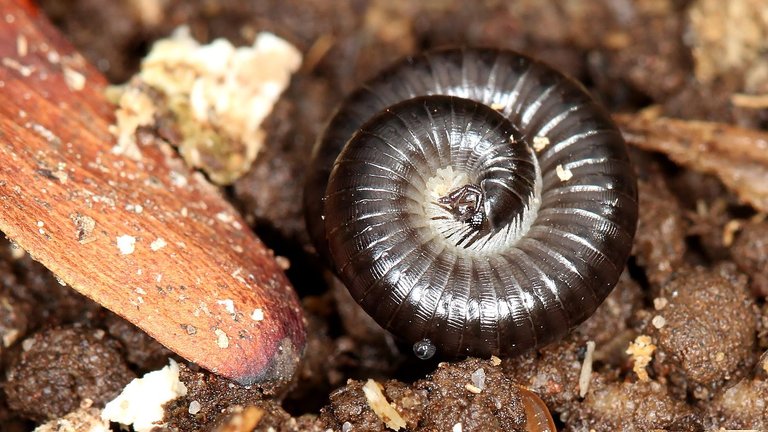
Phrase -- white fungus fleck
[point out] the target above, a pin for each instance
(222, 340)
(158, 244)
(22, 45)
(74, 80)
(257, 314)
(457, 428)
(346, 427)
(225, 217)
(126, 244)
(228, 304)
(658, 321)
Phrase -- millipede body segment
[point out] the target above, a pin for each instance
(474, 202)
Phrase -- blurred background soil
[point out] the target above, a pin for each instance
(691, 305)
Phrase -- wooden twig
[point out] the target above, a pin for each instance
(144, 238)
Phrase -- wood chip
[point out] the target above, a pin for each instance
(586, 369)
(641, 350)
(540, 143)
(379, 404)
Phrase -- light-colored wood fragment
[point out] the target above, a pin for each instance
(736, 155)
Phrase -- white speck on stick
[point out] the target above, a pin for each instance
(126, 244)
(157, 244)
(222, 340)
(228, 304)
(74, 79)
(257, 314)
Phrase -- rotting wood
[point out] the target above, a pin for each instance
(737, 156)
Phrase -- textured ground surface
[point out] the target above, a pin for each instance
(691, 302)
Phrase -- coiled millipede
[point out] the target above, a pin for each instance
(474, 202)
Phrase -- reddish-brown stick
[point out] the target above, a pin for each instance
(186, 268)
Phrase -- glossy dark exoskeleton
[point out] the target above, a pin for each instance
(512, 268)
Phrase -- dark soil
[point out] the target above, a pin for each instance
(698, 294)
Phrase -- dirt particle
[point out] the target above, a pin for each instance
(194, 407)
(710, 328)
(540, 143)
(478, 378)
(632, 406)
(84, 226)
(564, 174)
(473, 388)
(750, 253)
(60, 369)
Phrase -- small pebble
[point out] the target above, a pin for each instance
(478, 378)
(658, 321)
(194, 407)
